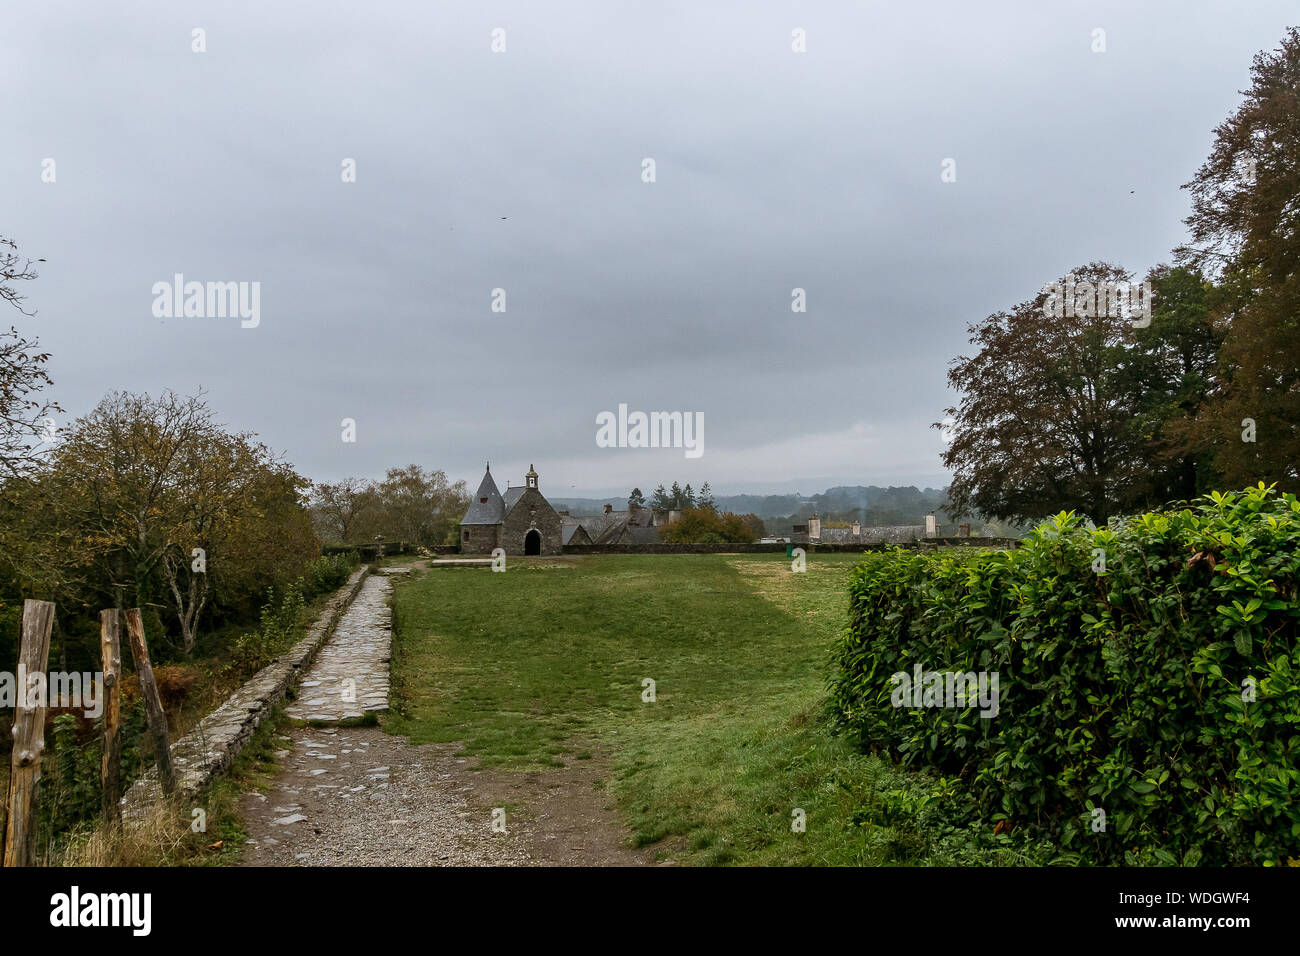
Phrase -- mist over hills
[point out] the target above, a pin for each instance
(870, 504)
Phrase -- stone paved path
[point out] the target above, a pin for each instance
(349, 676)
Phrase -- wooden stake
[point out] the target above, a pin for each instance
(29, 735)
(110, 764)
(152, 703)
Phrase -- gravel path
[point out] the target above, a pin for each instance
(359, 797)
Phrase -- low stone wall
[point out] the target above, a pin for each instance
(779, 547)
(370, 552)
(213, 744)
(969, 543)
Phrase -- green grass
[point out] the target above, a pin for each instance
(549, 659)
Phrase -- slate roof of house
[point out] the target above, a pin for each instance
(636, 535)
(597, 527)
(616, 526)
(571, 529)
(490, 511)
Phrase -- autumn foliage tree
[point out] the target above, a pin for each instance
(707, 526)
(413, 504)
(1245, 232)
(1045, 421)
(157, 496)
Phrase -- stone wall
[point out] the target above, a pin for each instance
(368, 552)
(779, 548)
(213, 744)
(482, 538)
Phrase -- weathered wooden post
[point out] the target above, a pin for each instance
(110, 764)
(29, 734)
(152, 703)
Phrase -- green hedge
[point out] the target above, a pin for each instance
(1122, 687)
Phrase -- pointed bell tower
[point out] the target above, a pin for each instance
(530, 479)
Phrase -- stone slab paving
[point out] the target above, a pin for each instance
(349, 677)
(216, 740)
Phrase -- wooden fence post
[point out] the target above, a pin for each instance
(29, 735)
(152, 703)
(110, 765)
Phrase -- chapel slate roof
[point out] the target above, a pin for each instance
(512, 496)
(490, 511)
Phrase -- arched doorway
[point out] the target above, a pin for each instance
(533, 542)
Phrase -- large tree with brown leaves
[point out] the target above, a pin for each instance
(1046, 416)
(1245, 231)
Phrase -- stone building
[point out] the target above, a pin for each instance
(521, 521)
(814, 533)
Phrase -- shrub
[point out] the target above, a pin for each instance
(329, 572)
(281, 620)
(1150, 670)
(706, 526)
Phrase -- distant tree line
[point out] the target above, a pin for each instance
(676, 498)
(410, 504)
(700, 521)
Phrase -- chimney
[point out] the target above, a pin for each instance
(814, 528)
(931, 526)
(857, 528)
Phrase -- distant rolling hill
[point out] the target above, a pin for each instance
(870, 504)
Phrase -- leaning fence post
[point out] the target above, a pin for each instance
(29, 734)
(110, 764)
(152, 703)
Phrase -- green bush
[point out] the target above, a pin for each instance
(1127, 657)
(281, 623)
(329, 572)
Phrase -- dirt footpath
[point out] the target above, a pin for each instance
(359, 797)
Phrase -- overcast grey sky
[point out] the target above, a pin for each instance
(774, 170)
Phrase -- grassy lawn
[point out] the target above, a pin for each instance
(549, 659)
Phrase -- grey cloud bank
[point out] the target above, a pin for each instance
(522, 171)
